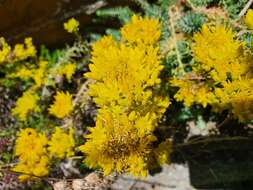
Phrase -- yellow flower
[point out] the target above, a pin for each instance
(5, 50)
(40, 73)
(191, 92)
(118, 144)
(30, 147)
(123, 73)
(37, 74)
(238, 97)
(25, 104)
(126, 76)
(141, 30)
(23, 73)
(222, 76)
(221, 49)
(163, 152)
(23, 51)
(72, 25)
(61, 144)
(62, 105)
(68, 70)
(249, 19)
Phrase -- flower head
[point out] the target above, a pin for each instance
(4, 51)
(72, 25)
(249, 19)
(68, 70)
(61, 144)
(222, 75)
(119, 144)
(40, 73)
(141, 30)
(163, 152)
(221, 50)
(62, 105)
(219, 44)
(23, 51)
(123, 73)
(30, 147)
(191, 92)
(25, 104)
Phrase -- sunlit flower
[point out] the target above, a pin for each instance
(23, 51)
(27, 103)
(4, 50)
(31, 150)
(62, 143)
(62, 105)
(118, 144)
(141, 30)
(163, 152)
(126, 74)
(216, 48)
(39, 74)
(72, 25)
(68, 70)
(223, 73)
(249, 19)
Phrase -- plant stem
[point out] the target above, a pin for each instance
(174, 41)
(246, 7)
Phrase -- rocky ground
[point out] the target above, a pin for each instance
(172, 177)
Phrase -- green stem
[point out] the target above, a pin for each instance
(174, 40)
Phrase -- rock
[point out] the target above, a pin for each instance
(61, 185)
(220, 162)
(78, 184)
(172, 177)
(93, 179)
(43, 20)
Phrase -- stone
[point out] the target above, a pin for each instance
(43, 20)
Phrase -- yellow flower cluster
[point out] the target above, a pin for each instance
(236, 96)
(31, 150)
(126, 76)
(163, 151)
(68, 70)
(216, 50)
(222, 76)
(62, 105)
(27, 103)
(23, 51)
(37, 74)
(249, 19)
(20, 51)
(5, 50)
(191, 92)
(119, 143)
(141, 30)
(61, 144)
(72, 25)
(35, 151)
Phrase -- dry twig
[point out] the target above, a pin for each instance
(245, 9)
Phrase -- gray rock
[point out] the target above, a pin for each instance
(172, 177)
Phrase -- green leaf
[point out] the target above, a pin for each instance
(124, 14)
(191, 22)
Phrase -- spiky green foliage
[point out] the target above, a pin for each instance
(122, 13)
(201, 3)
(248, 39)
(191, 22)
(233, 7)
